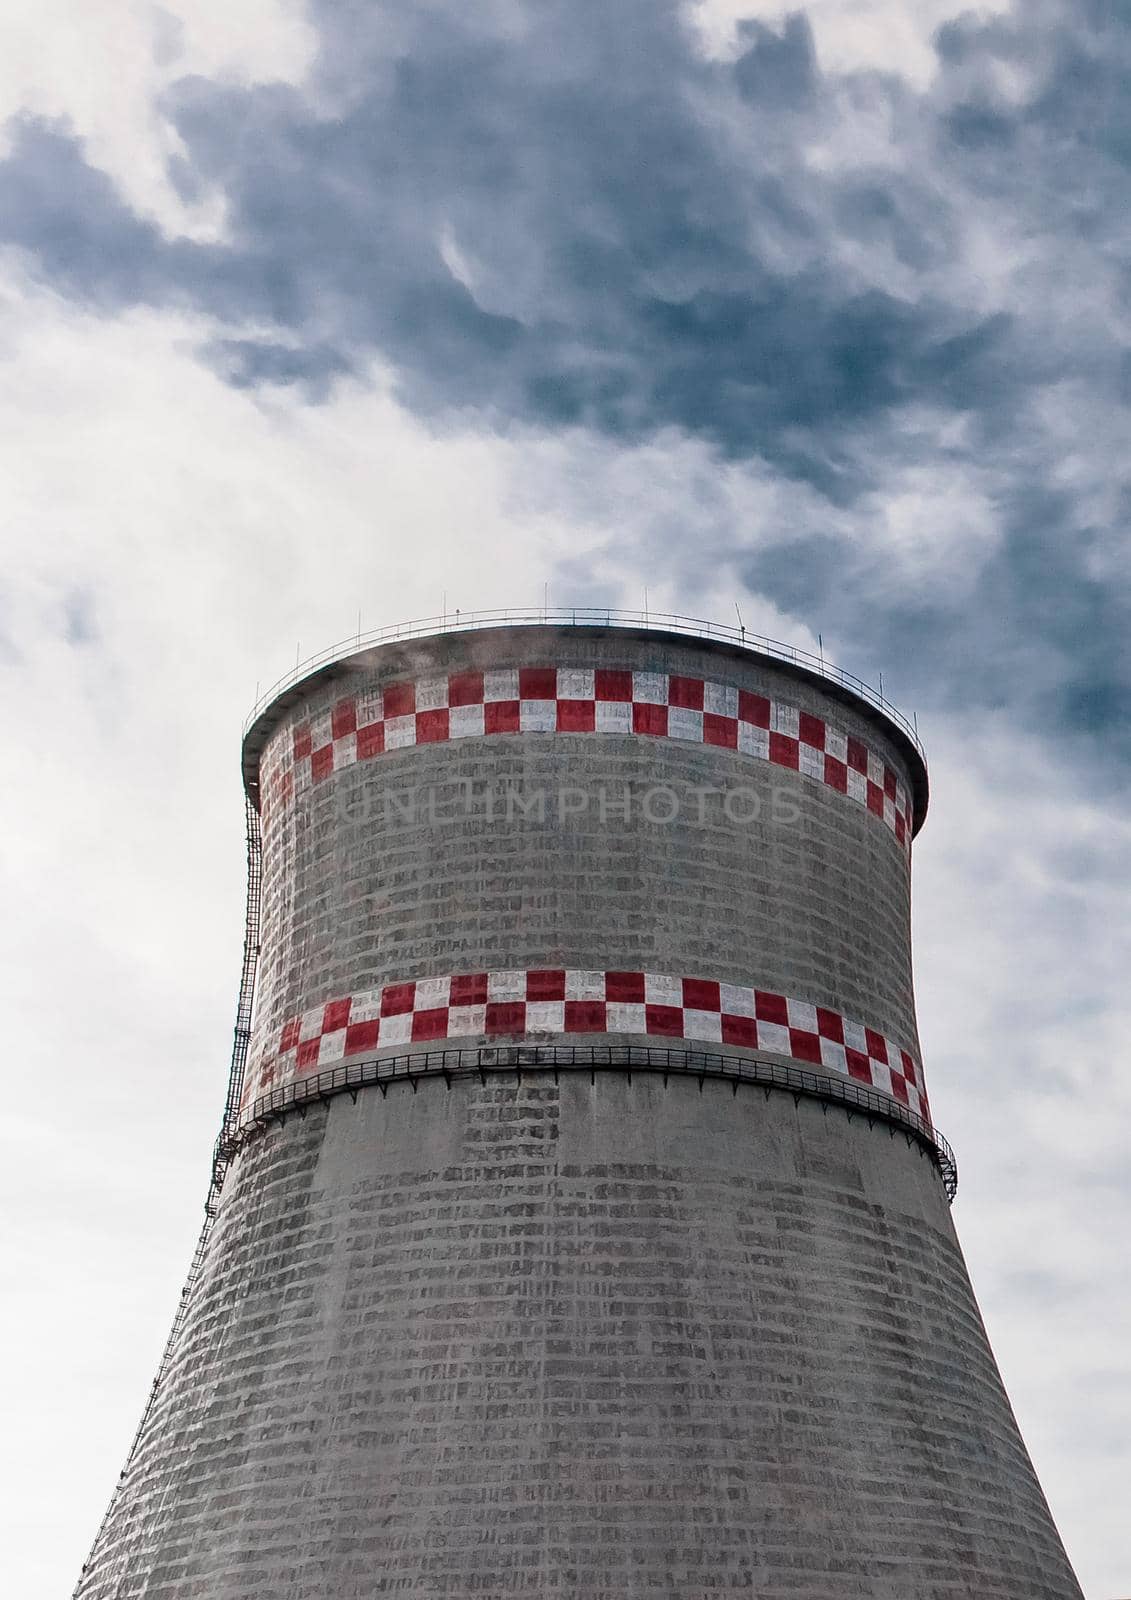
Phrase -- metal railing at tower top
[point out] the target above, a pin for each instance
(592, 617)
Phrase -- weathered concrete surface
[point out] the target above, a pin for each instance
(591, 1339)
(597, 1339)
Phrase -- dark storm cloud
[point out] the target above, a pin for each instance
(563, 215)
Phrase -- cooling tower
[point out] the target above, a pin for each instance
(580, 1227)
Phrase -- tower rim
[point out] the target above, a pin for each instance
(717, 639)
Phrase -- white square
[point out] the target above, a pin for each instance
(345, 751)
(857, 786)
(465, 1020)
(465, 722)
(784, 719)
(501, 684)
(585, 985)
(736, 999)
(720, 699)
(802, 1015)
(538, 716)
(396, 1030)
(625, 1017)
(774, 1037)
(321, 731)
(311, 1025)
(881, 1075)
(706, 1025)
(506, 985)
(754, 741)
(576, 683)
(370, 707)
(875, 770)
(683, 724)
(854, 1036)
(650, 688)
(366, 1007)
(833, 1056)
(613, 716)
(432, 694)
(836, 743)
(889, 812)
(432, 992)
(545, 1016)
(662, 991)
(810, 761)
(333, 1046)
(400, 732)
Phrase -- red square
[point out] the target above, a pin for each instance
(701, 995)
(784, 750)
(302, 742)
(836, 774)
(686, 692)
(900, 827)
(291, 1032)
(500, 716)
(545, 985)
(585, 1016)
(336, 1015)
(667, 1021)
(308, 1054)
(858, 1066)
(470, 990)
(370, 740)
(650, 719)
(627, 988)
(721, 731)
(538, 683)
(875, 799)
(431, 727)
(857, 755)
(343, 718)
(899, 1088)
(506, 1016)
(877, 1045)
(322, 763)
(908, 1067)
(431, 1024)
(890, 783)
(577, 716)
(753, 708)
(830, 1025)
(771, 1007)
(362, 1036)
(400, 700)
(804, 1046)
(613, 685)
(740, 1030)
(465, 689)
(811, 730)
(397, 998)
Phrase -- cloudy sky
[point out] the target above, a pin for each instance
(312, 310)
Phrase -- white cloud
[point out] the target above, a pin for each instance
(850, 35)
(103, 67)
(1022, 951)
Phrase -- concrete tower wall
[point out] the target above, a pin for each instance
(497, 1324)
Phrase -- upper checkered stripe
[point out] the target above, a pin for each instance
(533, 1004)
(464, 705)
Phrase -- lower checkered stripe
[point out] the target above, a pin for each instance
(541, 1005)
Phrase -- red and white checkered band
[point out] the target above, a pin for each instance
(466, 705)
(496, 1006)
